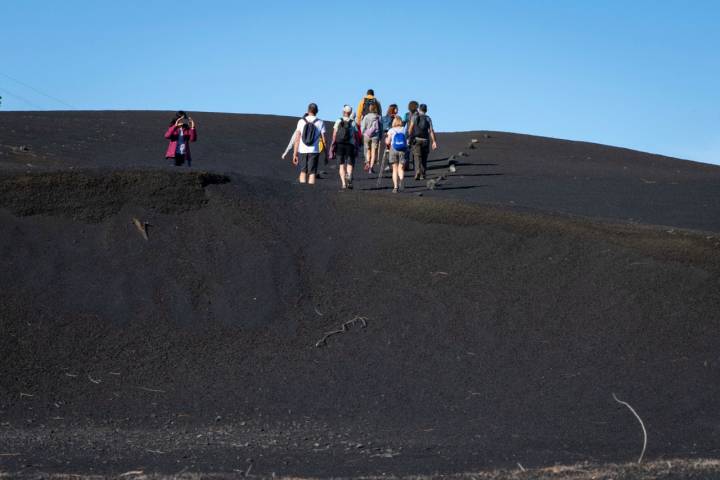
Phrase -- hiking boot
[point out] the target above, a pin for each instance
(395, 190)
(387, 169)
(349, 184)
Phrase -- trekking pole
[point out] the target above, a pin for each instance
(382, 168)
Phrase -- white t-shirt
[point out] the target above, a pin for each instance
(320, 125)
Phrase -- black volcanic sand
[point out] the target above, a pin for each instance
(492, 335)
(505, 169)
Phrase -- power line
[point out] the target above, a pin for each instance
(21, 98)
(38, 91)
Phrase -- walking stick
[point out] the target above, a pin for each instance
(382, 168)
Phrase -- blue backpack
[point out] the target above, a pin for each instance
(399, 142)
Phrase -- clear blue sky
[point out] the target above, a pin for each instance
(643, 74)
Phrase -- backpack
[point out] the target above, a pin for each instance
(387, 123)
(344, 132)
(399, 142)
(422, 127)
(372, 129)
(309, 133)
(366, 105)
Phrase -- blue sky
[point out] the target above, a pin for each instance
(640, 74)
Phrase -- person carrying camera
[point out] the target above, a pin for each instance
(180, 133)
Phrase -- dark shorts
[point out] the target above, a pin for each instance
(178, 160)
(345, 154)
(309, 163)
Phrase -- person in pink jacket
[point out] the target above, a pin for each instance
(180, 133)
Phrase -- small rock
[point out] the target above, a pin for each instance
(462, 154)
(452, 168)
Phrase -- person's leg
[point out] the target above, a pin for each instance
(401, 174)
(395, 177)
(416, 154)
(425, 155)
(342, 157)
(376, 149)
(366, 151)
(303, 168)
(341, 172)
(313, 159)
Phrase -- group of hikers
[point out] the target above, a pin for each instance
(405, 141)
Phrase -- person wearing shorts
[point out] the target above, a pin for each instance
(307, 156)
(396, 158)
(371, 128)
(345, 150)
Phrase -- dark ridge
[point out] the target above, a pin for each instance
(95, 195)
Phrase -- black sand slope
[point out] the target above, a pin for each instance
(471, 335)
(506, 169)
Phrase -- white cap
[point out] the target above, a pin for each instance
(347, 109)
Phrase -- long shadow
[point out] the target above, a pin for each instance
(466, 187)
(475, 175)
(445, 167)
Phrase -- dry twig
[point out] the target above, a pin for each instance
(344, 328)
(151, 390)
(142, 227)
(642, 425)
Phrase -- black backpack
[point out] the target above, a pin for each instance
(344, 132)
(309, 133)
(422, 127)
(366, 105)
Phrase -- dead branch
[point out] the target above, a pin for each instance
(9, 454)
(344, 328)
(26, 395)
(642, 425)
(132, 472)
(521, 467)
(151, 390)
(142, 227)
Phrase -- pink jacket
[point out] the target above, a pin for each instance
(172, 135)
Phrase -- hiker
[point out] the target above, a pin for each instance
(387, 123)
(291, 145)
(364, 105)
(309, 133)
(371, 128)
(422, 138)
(396, 143)
(409, 115)
(344, 141)
(181, 131)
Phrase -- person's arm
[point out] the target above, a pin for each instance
(432, 136)
(289, 147)
(171, 133)
(411, 127)
(295, 148)
(322, 136)
(193, 130)
(360, 110)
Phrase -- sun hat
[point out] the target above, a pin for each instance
(347, 109)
